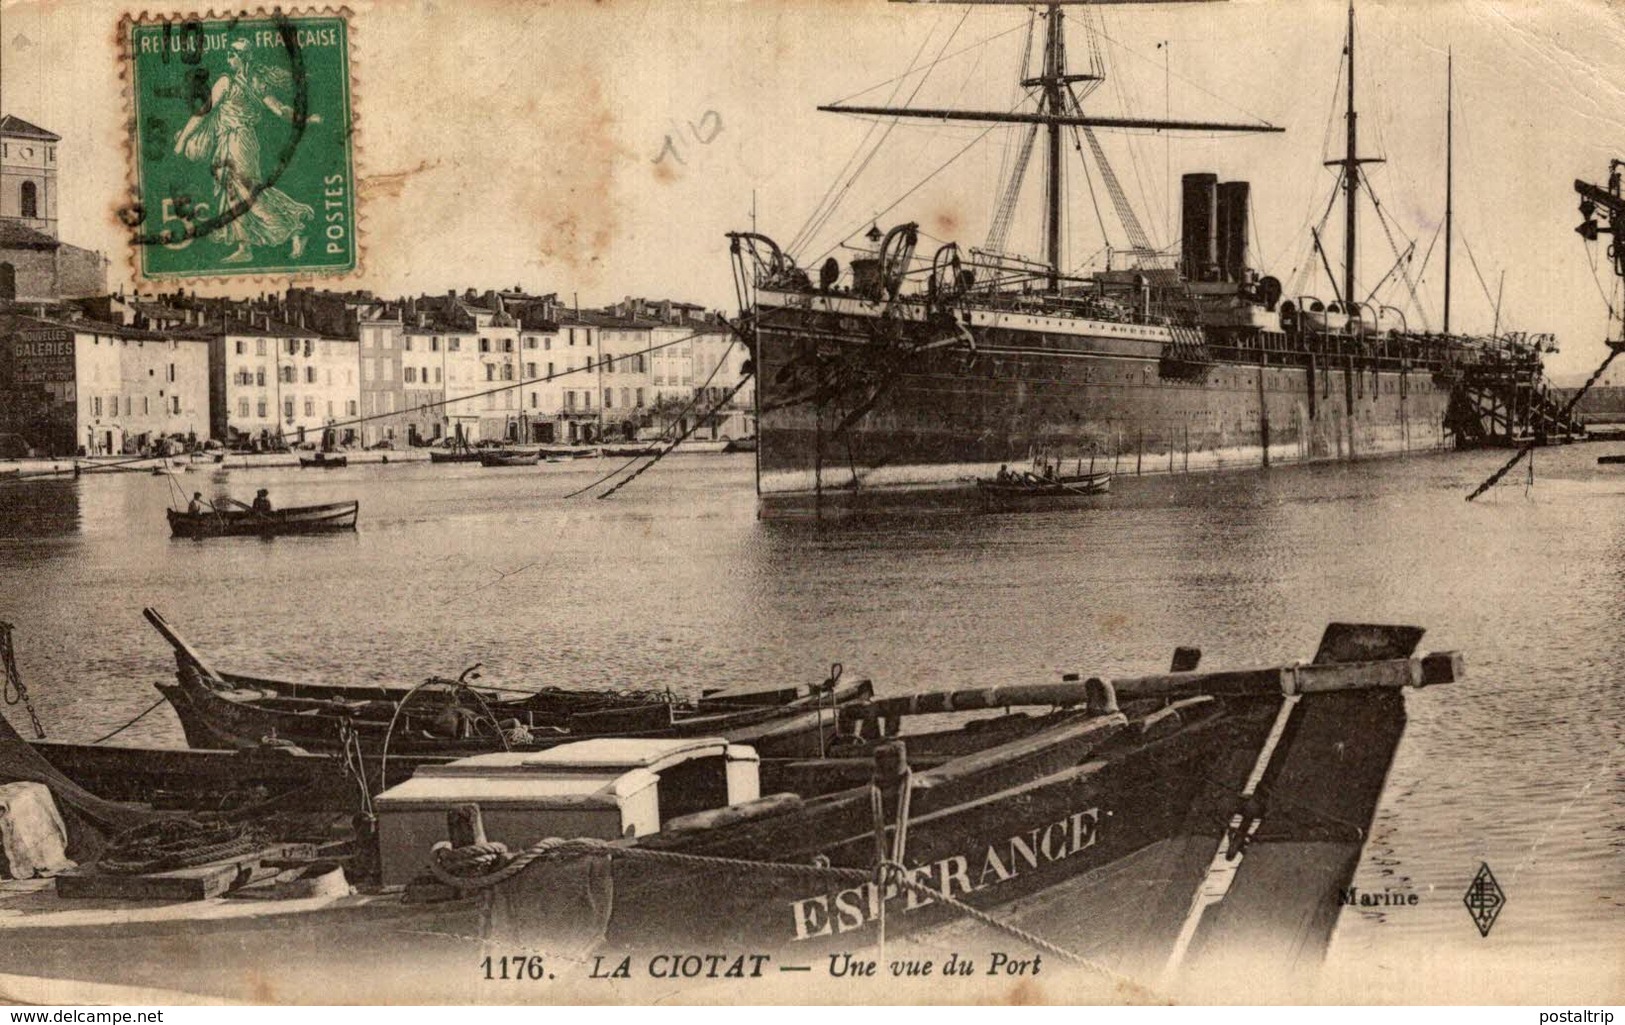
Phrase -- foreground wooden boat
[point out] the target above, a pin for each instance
(1095, 820)
(217, 713)
(297, 780)
(308, 519)
(542, 700)
(1125, 793)
(452, 718)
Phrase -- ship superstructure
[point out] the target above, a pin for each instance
(902, 377)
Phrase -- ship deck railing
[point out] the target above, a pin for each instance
(1414, 359)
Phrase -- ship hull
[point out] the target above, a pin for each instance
(855, 418)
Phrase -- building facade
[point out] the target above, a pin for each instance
(623, 379)
(78, 387)
(696, 364)
(380, 397)
(542, 393)
(423, 386)
(282, 385)
(479, 360)
(282, 369)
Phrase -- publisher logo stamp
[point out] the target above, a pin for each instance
(1484, 899)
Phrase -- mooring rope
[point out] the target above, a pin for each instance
(132, 722)
(445, 861)
(1529, 445)
(680, 439)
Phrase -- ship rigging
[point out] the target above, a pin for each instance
(1059, 107)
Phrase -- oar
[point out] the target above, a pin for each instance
(177, 642)
(1437, 668)
(1074, 490)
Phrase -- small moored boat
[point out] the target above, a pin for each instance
(324, 461)
(1021, 487)
(509, 457)
(457, 450)
(305, 519)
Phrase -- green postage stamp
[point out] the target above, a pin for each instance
(241, 146)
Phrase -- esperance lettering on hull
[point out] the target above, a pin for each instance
(830, 914)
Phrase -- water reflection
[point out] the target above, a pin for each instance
(37, 509)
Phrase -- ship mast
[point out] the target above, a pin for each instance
(1054, 67)
(1351, 178)
(1449, 173)
(1051, 112)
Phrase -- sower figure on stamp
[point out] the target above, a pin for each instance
(250, 211)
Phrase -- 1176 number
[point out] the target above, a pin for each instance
(515, 968)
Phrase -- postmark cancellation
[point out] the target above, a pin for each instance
(241, 145)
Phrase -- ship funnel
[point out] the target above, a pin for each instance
(866, 278)
(1232, 235)
(1199, 227)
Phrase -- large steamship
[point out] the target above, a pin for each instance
(904, 377)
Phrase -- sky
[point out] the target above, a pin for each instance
(508, 143)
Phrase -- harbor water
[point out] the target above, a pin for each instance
(674, 583)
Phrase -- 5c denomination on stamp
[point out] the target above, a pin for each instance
(241, 145)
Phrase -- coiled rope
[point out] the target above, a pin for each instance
(12, 690)
(178, 843)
